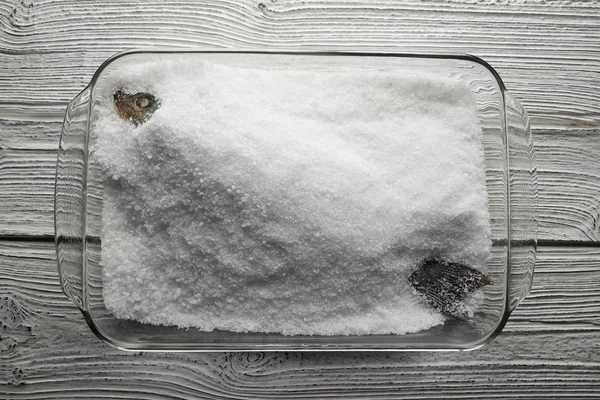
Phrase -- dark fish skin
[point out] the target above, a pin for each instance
(137, 108)
(444, 285)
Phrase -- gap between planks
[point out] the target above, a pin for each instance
(540, 243)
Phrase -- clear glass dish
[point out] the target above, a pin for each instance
(510, 180)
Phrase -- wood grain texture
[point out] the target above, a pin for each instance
(549, 349)
(568, 180)
(547, 52)
(569, 185)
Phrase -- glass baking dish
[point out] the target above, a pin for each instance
(511, 184)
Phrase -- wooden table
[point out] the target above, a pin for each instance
(548, 53)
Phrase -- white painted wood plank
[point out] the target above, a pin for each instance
(567, 285)
(547, 52)
(569, 185)
(568, 169)
(27, 192)
(549, 349)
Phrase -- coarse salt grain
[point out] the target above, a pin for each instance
(287, 201)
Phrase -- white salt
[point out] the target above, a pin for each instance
(287, 201)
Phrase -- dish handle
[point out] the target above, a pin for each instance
(523, 192)
(69, 198)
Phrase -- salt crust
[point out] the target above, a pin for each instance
(287, 201)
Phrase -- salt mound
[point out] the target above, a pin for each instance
(287, 201)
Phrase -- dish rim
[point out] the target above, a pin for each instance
(241, 347)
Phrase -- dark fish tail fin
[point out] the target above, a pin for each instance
(445, 284)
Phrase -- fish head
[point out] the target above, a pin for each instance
(137, 108)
